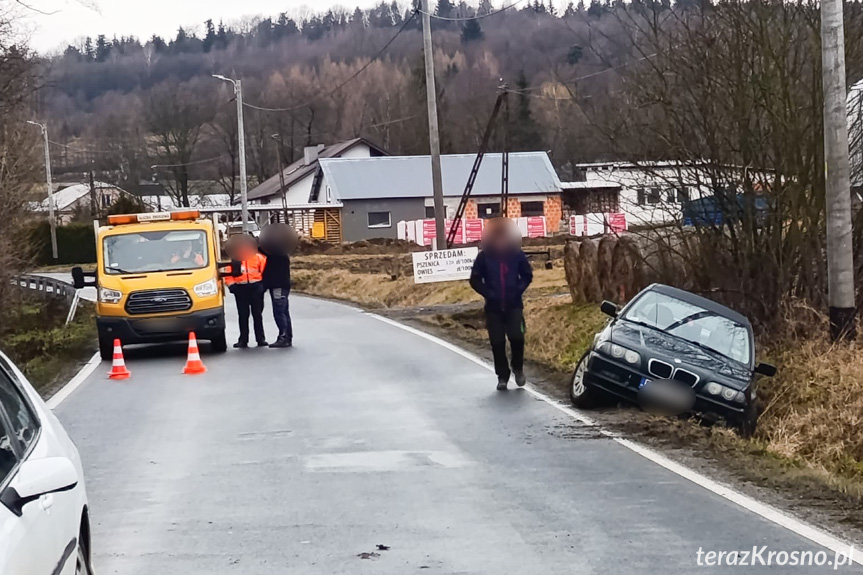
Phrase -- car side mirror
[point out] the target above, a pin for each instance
(609, 308)
(230, 269)
(38, 477)
(765, 369)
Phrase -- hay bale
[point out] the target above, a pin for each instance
(626, 269)
(589, 281)
(572, 270)
(604, 255)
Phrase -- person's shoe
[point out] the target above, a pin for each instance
(263, 343)
(241, 345)
(279, 343)
(520, 379)
(502, 383)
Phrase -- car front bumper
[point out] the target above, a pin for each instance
(206, 324)
(622, 380)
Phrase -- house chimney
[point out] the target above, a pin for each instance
(310, 153)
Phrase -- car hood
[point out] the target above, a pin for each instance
(657, 344)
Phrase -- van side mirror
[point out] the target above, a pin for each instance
(230, 269)
(80, 277)
(609, 308)
(765, 369)
(38, 477)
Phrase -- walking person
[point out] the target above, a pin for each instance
(277, 279)
(248, 290)
(501, 274)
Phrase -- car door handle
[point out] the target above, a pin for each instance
(46, 502)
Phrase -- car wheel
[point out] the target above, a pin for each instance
(580, 393)
(219, 343)
(746, 424)
(82, 562)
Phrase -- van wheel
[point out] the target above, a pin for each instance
(219, 343)
(106, 348)
(581, 394)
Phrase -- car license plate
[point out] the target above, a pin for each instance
(644, 381)
(159, 325)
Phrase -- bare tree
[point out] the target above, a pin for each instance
(175, 115)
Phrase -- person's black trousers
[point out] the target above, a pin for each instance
(282, 313)
(503, 325)
(250, 301)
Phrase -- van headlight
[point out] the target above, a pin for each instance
(110, 295)
(207, 288)
(619, 352)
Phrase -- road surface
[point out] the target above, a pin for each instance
(299, 461)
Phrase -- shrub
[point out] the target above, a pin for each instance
(76, 243)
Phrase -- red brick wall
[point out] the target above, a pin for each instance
(513, 207)
(470, 210)
(553, 213)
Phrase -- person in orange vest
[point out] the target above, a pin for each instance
(248, 290)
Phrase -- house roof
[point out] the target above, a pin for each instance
(68, 196)
(299, 169)
(410, 176)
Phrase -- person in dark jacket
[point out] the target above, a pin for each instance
(501, 274)
(277, 279)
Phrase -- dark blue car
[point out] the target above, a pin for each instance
(716, 211)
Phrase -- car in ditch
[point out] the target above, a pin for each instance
(672, 335)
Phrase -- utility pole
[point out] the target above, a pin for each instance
(94, 205)
(434, 136)
(278, 139)
(241, 134)
(52, 219)
(840, 255)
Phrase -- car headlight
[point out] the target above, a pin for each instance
(207, 288)
(110, 295)
(727, 393)
(620, 352)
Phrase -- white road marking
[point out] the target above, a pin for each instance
(75, 382)
(765, 511)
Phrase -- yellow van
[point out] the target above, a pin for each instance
(158, 277)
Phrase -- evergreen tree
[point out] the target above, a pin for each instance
(580, 7)
(525, 135)
(574, 55)
(103, 48)
(471, 32)
(358, 20)
(485, 7)
(445, 9)
(210, 36)
(221, 37)
(570, 11)
(89, 52)
(158, 44)
(596, 9)
(396, 11)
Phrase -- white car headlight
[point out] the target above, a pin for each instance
(632, 357)
(727, 393)
(110, 295)
(619, 352)
(207, 288)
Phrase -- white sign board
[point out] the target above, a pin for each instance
(443, 265)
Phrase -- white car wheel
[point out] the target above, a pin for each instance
(578, 387)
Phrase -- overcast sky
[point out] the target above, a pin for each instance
(67, 20)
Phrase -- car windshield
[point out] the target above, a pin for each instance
(142, 252)
(693, 323)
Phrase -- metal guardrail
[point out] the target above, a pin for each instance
(50, 287)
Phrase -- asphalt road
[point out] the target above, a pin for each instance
(298, 461)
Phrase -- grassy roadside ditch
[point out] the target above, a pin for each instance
(808, 447)
(33, 335)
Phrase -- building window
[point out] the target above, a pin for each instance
(488, 211)
(380, 220)
(682, 195)
(642, 195)
(106, 200)
(654, 196)
(532, 209)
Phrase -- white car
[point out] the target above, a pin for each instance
(44, 525)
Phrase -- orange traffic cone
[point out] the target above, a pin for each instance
(194, 364)
(118, 366)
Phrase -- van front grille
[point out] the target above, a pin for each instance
(158, 301)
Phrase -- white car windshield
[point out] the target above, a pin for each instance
(693, 323)
(156, 251)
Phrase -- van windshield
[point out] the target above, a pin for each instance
(156, 251)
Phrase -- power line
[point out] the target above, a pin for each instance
(477, 17)
(74, 149)
(219, 157)
(346, 82)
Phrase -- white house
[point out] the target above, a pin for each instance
(70, 200)
(303, 179)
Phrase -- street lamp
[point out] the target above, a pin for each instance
(51, 218)
(244, 190)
